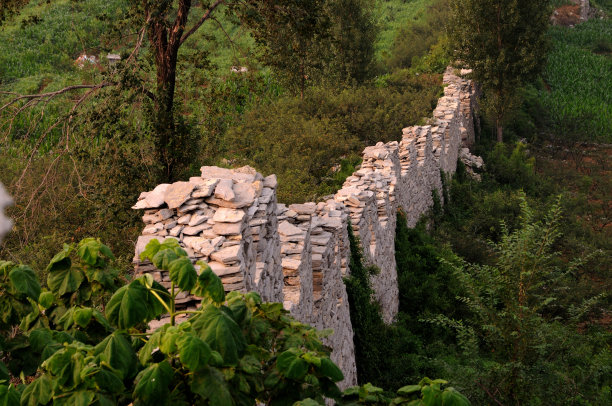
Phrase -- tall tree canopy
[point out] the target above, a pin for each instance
(504, 42)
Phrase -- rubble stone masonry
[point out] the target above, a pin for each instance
(299, 254)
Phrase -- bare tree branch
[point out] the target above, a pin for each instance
(50, 95)
(205, 17)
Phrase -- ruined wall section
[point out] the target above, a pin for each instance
(299, 254)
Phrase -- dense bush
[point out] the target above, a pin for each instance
(83, 340)
(516, 341)
(306, 138)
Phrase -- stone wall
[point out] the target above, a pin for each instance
(299, 254)
(5, 223)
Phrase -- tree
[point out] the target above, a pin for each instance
(293, 35)
(353, 32)
(504, 43)
(164, 26)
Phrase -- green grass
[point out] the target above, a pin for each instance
(47, 37)
(578, 74)
(605, 5)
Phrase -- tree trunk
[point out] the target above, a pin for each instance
(500, 131)
(165, 44)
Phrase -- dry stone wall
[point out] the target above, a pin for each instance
(299, 254)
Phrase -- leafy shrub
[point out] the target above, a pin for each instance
(306, 138)
(517, 345)
(515, 169)
(234, 349)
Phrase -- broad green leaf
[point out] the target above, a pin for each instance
(62, 281)
(108, 381)
(194, 353)
(61, 261)
(79, 398)
(82, 316)
(61, 365)
(209, 284)
(431, 396)
(24, 280)
(4, 372)
(99, 317)
(450, 397)
(307, 402)
(272, 379)
(46, 299)
(163, 258)
(147, 350)
(104, 276)
(409, 390)
(129, 306)
(38, 392)
(291, 365)
(153, 384)
(150, 250)
(40, 338)
(116, 351)
(9, 396)
(104, 400)
(250, 364)
(331, 370)
(217, 327)
(67, 319)
(173, 244)
(241, 312)
(210, 384)
(156, 308)
(168, 340)
(89, 250)
(312, 358)
(183, 273)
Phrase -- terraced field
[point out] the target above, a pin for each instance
(579, 80)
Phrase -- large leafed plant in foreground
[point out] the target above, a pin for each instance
(81, 341)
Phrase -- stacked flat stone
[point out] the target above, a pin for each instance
(5, 222)
(226, 218)
(369, 194)
(299, 254)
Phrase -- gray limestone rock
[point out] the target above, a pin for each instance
(178, 193)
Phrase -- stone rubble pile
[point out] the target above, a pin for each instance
(472, 163)
(299, 254)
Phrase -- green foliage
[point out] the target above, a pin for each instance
(235, 350)
(514, 337)
(515, 169)
(353, 32)
(504, 43)
(368, 326)
(579, 86)
(417, 37)
(343, 121)
(427, 393)
(426, 285)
